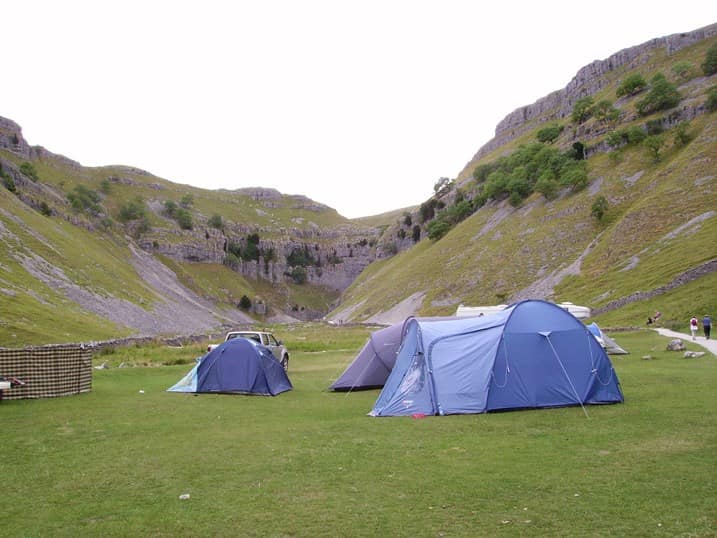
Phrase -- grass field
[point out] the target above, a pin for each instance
(115, 461)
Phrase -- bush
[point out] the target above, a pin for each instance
(170, 208)
(215, 221)
(683, 71)
(662, 96)
(300, 257)
(298, 275)
(709, 67)
(85, 200)
(632, 85)
(547, 186)
(187, 201)
(605, 112)
(45, 209)
(654, 127)
(244, 302)
(599, 207)
(682, 136)
(437, 229)
(548, 135)
(583, 109)
(482, 171)
(28, 170)
(416, 233)
(654, 144)
(184, 219)
(712, 99)
(8, 182)
(132, 210)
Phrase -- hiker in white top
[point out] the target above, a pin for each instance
(693, 327)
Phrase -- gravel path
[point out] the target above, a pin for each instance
(710, 345)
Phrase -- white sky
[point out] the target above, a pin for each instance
(361, 105)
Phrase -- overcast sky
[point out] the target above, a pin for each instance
(361, 105)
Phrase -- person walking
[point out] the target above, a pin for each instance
(707, 326)
(693, 327)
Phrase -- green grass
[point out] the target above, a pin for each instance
(311, 463)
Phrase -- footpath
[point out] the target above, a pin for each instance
(710, 344)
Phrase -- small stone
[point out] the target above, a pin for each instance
(184, 496)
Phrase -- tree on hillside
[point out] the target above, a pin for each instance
(582, 110)
(632, 85)
(663, 94)
(605, 112)
(654, 144)
(548, 135)
(599, 207)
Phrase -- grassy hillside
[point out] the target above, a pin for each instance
(84, 266)
(661, 222)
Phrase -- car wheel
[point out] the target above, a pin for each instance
(285, 362)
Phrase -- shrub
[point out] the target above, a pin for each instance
(547, 186)
(215, 221)
(662, 95)
(482, 171)
(632, 85)
(682, 136)
(86, 200)
(298, 275)
(654, 144)
(8, 182)
(437, 229)
(654, 127)
(132, 210)
(605, 112)
(28, 170)
(184, 219)
(582, 110)
(709, 67)
(45, 209)
(548, 135)
(244, 302)
(105, 186)
(416, 233)
(300, 257)
(635, 135)
(712, 99)
(187, 201)
(407, 221)
(683, 71)
(170, 208)
(599, 207)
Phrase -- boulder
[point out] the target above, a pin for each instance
(676, 345)
(693, 354)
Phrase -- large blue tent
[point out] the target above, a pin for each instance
(238, 366)
(532, 354)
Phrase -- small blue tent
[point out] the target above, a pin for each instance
(239, 366)
(532, 354)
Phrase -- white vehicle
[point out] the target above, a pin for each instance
(580, 312)
(266, 339)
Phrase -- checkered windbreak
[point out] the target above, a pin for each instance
(47, 371)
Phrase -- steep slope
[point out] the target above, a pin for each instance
(115, 250)
(654, 244)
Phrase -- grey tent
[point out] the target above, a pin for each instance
(611, 347)
(370, 368)
(373, 364)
